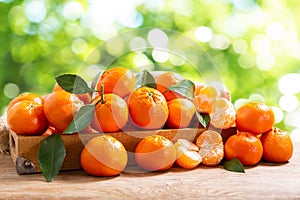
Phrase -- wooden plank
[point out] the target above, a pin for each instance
(265, 181)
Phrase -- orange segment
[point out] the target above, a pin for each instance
(211, 147)
(188, 156)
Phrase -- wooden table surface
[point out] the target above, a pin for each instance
(265, 181)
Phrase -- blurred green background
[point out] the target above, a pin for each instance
(254, 44)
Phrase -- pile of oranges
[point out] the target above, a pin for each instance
(122, 106)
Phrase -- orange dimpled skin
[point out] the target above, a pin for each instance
(110, 115)
(103, 156)
(181, 112)
(148, 108)
(155, 153)
(60, 108)
(118, 80)
(26, 96)
(244, 146)
(255, 117)
(277, 145)
(86, 97)
(27, 118)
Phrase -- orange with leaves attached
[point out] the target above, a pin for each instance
(111, 113)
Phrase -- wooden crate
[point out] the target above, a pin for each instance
(24, 149)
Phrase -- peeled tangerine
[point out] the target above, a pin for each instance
(188, 155)
(211, 147)
(223, 114)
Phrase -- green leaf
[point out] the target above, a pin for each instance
(81, 120)
(95, 80)
(51, 155)
(203, 118)
(145, 78)
(73, 84)
(234, 165)
(185, 88)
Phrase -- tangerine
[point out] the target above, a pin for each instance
(118, 80)
(165, 80)
(27, 118)
(60, 108)
(86, 97)
(155, 153)
(277, 145)
(148, 108)
(222, 114)
(211, 147)
(244, 146)
(188, 155)
(103, 156)
(204, 98)
(254, 117)
(26, 96)
(181, 112)
(111, 113)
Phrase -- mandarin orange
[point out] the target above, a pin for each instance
(165, 80)
(110, 115)
(254, 117)
(60, 108)
(103, 156)
(211, 147)
(155, 153)
(27, 118)
(118, 80)
(277, 145)
(148, 108)
(188, 156)
(181, 112)
(244, 146)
